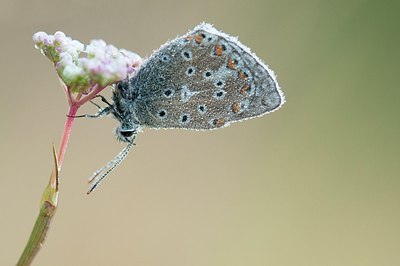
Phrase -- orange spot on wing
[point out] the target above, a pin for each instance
(242, 75)
(231, 64)
(235, 107)
(199, 38)
(219, 122)
(244, 89)
(218, 50)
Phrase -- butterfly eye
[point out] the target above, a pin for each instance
(127, 133)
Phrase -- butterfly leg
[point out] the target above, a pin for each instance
(100, 113)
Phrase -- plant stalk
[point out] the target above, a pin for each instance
(48, 204)
(47, 210)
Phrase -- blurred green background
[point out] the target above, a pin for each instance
(316, 183)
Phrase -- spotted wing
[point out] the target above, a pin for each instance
(203, 80)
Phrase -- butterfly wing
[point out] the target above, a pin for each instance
(203, 80)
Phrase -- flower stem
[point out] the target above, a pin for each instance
(67, 132)
(48, 207)
(49, 202)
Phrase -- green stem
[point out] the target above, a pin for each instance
(39, 233)
(46, 214)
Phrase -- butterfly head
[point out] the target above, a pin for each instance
(123, 111)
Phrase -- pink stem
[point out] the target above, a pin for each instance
(64, 142)
(67, 132)
(74, 104)
(93, 92)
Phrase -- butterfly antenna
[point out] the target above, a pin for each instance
(103, 172)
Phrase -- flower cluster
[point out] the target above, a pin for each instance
(81, 66)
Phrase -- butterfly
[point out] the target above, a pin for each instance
(202, 80)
